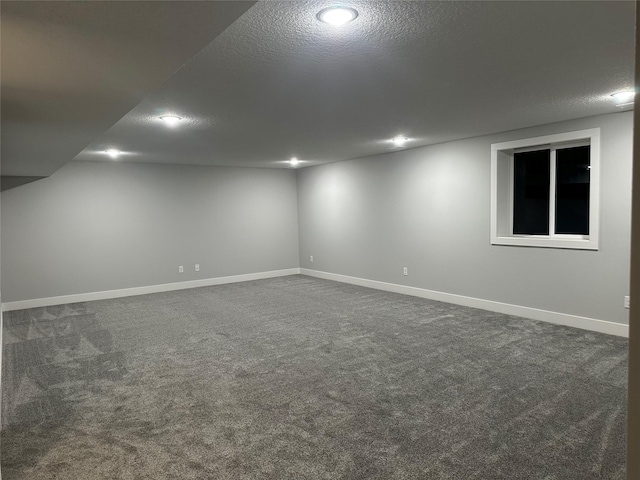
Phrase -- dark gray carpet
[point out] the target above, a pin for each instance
(300, 378)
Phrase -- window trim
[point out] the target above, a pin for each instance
(502, 191)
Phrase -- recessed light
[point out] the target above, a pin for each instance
(623, 97)
(399, 141)
(112, 152)
(337, 15)
(294, 161)
(170, 120)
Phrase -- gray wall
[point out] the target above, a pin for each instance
(101, 226)
(429, 209)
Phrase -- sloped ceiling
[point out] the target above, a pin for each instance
(278, 83)
(70, 70)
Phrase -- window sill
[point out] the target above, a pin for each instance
(546, 242)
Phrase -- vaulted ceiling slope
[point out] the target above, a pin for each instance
(70, 70)
(279, 83)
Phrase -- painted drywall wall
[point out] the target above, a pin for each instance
(428, 209)
(94, 227)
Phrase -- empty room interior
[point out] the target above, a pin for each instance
(318, 240)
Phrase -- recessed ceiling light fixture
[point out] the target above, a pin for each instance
(337, 16)
(112, 152)
(170, 120)
(294, 161)
(399, 141)
(626, 96)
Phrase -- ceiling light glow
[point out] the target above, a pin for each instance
(294, 161)
(623, 97)
(112, 152)
(399, 141)
(337, 16)
(170, 120)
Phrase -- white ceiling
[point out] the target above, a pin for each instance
(278, 83)
(70, 70)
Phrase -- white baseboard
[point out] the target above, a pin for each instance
(128, 292)
(584, 323)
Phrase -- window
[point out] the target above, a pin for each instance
(544, 191)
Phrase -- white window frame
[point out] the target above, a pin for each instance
(502, 191)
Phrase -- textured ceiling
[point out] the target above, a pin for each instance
(278, 83)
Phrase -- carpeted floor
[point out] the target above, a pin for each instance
(300, 378)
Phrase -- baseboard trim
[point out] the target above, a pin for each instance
(129, 292)
(584, 323)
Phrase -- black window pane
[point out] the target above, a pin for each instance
(572, 190)
(531, 192)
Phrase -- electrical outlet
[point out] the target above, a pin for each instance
(197, 267)
(311, 258)
(627, 302)
(180, 269)
(405, 271)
